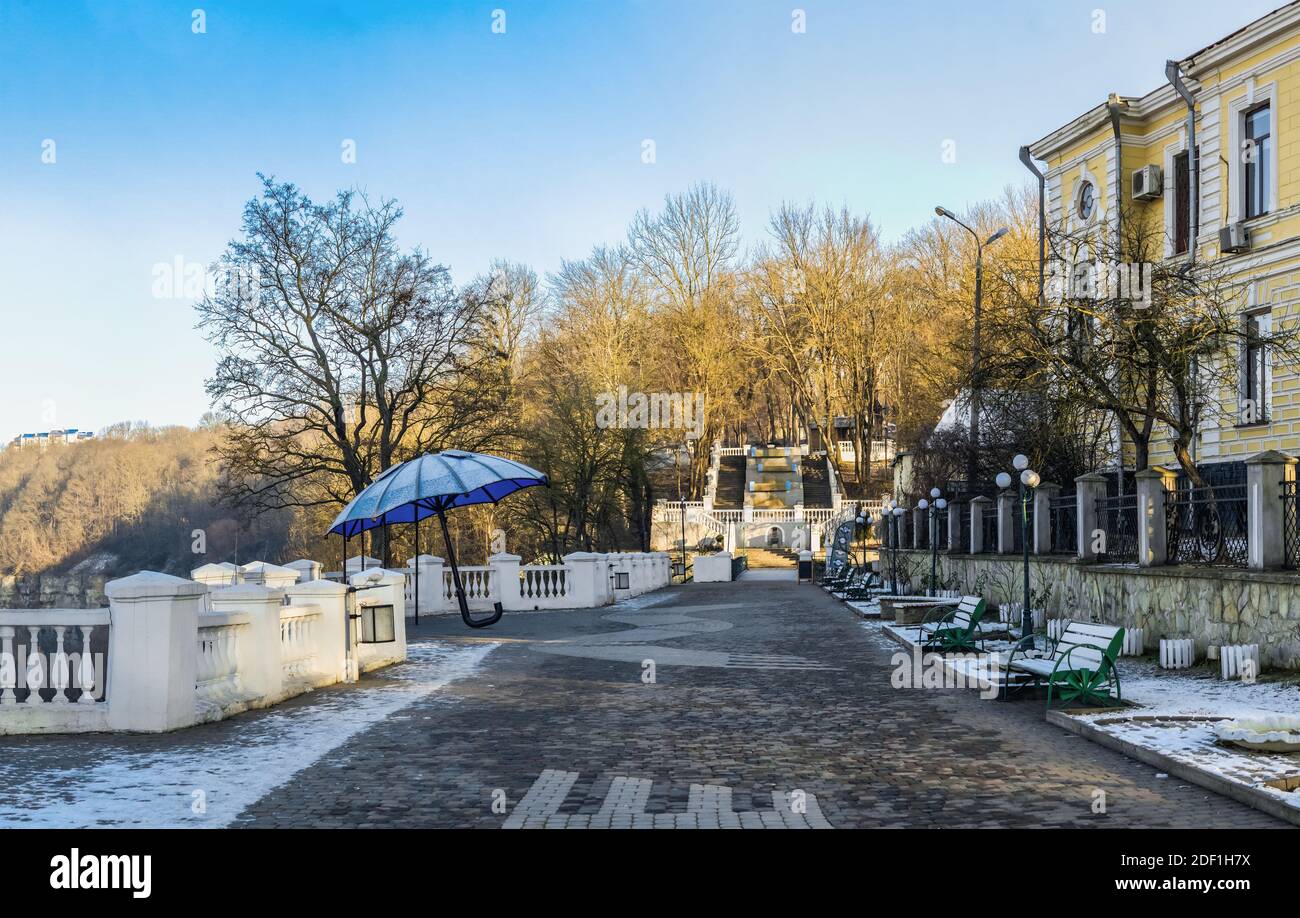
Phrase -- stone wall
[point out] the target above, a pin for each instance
(1210, 605)
(52, 591)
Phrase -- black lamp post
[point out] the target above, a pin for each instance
(897, 514)
(937, 504)
(1029, 480)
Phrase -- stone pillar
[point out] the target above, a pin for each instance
(331, 598)
(266, 574)
(432, 584)
(259, 662)
(505, 579)
(1152, 527)
(306, 568)
(1089, 489)
(153, 651)
(954, 527)
(215, 576)
(584, 590)
(978, 507)
(1008, 516)
(1265, 528)
(1042, 532)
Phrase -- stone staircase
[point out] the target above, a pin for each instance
(730, 492)
(768, 558)
(816, 484)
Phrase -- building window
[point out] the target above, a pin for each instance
(1182, 202)
(1256, 153)
(1255, 372)
(1086, 203)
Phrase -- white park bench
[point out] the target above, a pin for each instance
(1081, 666)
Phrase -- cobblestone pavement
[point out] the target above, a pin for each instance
(770, 705)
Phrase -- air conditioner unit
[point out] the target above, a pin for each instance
(1148, 183)
(1234, 238)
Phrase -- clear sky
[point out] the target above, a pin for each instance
(526, 145)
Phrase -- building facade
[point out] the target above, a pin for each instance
(1237, 204)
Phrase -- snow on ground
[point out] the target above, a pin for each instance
(106, 780)
(1173, 714)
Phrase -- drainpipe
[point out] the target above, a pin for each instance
(1115, 106)
(1193, 178)
(1028, 160)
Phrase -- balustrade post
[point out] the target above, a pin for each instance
(585, 591)
(153, 651)
(60, 679)
(1089, 489)
(1008, 518)
(1044, 494)
(505, 580)
(978, 507)
(37, 673)
(8, 666)
(1265, 523)
(258, 664)
(331, 598)
(1152, 513)
(86, 671)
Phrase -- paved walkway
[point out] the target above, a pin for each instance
(758, 704)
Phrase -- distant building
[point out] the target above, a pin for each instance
(46, 438)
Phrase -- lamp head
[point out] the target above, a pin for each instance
(942, 212)
(898, 511)
(922, 504)
(996, 236)
(935, 492)
(1003, 480)
(1029, 478)
(941, 504)
(1021, 462)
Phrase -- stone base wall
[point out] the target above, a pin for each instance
(1212, 606)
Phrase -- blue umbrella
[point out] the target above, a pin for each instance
(431, 485)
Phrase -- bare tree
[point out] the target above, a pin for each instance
(340, 354)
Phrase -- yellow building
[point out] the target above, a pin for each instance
(1245, 89)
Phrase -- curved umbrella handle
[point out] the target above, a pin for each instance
(480, 623)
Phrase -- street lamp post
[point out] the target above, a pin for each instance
(938, 504)
(897, 514)
(1029, 480)
(972, 455)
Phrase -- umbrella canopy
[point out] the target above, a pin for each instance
(433, 484)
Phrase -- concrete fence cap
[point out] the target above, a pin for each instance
(152, 585)
(206, 569)
(248, 592)
(266, 567)
(423, 559)
(1092, 477)
(1271, 457)
(504, 556)
(317, 588)
(581, 556)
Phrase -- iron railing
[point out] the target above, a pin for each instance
(1207, 526)
(1017, 533)
(964, 544)
(923, 534)
(989, 527)
(1290, 530)
(1117, 518)
(1064, 513)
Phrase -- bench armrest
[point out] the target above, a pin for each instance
(1065, 656)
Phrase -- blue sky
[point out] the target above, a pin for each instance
(525, 145)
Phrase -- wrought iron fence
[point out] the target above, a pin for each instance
(989, 528)
(1064, 514)
(1290, 529)
(1117, 517)
(923, 533)
(1207, 525)
(964, 530)
(1017, 531)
